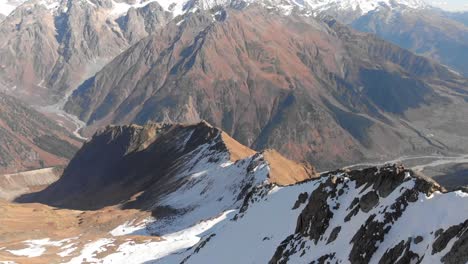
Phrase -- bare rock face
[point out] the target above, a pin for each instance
(368, 201)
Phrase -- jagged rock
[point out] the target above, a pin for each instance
(383, 180)
(443, 237)
(334, 234)
(368, 201)
(400, 254)
(418, 239)
(315, 218)
(302, 198)
(459, 251)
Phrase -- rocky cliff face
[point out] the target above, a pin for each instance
(29, 140)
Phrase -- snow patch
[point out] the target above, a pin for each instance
(35, 248)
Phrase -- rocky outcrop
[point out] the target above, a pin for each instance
(383, 197)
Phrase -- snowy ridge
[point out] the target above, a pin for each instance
(212, 208)
(179, 7)
(271, 222)
(334, 218)
(7, 6)
(363, 6)
(212, 189)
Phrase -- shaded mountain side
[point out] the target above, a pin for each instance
(135, 166)
(29, 140)
(426, 32)
(461, 17)
(291, 83)
(413, 25)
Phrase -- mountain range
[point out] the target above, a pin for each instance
(315, 90)
(191, 194)
(149, 131)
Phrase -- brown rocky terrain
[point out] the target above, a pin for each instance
(312, 90)
(16, 184)
(29, 140)
(64, 230)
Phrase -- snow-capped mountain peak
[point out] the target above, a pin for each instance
(7, 6)
(178, 7)
(364, 6)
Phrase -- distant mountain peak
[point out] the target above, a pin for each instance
(364, 6)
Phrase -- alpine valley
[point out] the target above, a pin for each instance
(233, 131)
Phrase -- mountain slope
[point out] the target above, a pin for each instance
(218, 202)
(368, 216)
(336, 80)
(424, 32)
(315, 91)
(413, 25)
(29, 140)
(44, 59)
(142, 164)
(16, 184)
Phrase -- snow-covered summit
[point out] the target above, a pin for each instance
(7, 6)
(117, 8)
(364, 6)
